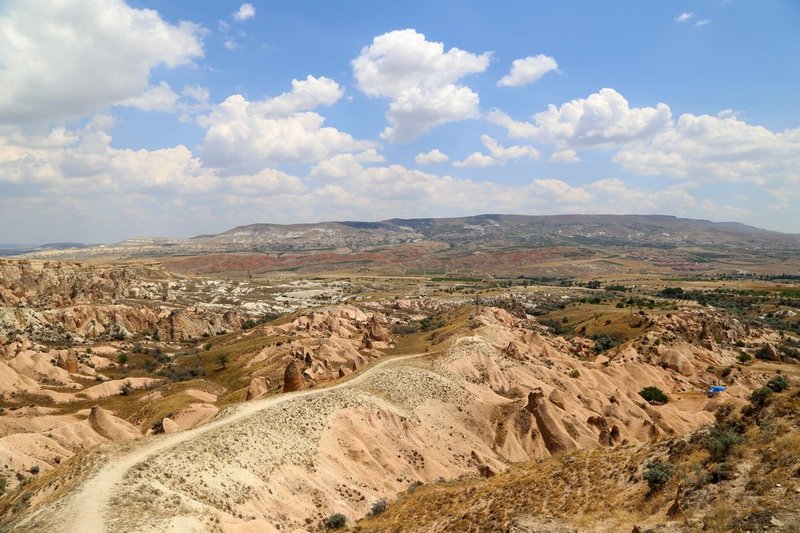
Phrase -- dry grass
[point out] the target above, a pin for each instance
(603, 488)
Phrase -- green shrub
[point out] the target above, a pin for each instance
(379, 506)
(126, 389)
(760, 397)
(335, 521)
(672, 292)
(720, 439)
(35, 469)
(414, 486)
(575, 373)
(222, 360)
(778, 384)
(654, 395)
(726, 371)
(720, 472)
(122, 358)
(657, 474)
(207, 346)
(744, 357)
(618, 288)
(603, 342)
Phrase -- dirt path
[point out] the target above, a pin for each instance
(84, 511)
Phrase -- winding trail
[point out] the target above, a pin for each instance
(84, 510)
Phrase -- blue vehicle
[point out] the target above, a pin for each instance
(714, 390)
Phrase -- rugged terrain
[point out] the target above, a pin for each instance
(238, 392)
(494, 244)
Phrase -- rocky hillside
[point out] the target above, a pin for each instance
(491, 391)
(465, 232)
(741, 473)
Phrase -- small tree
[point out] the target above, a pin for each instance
(207, 346)
(222, 360)
(335, 521)
(603, 342)
(657, 474)
(122, 359)
(720, 439)
(778, 384)
(760, 397)
(654, 395)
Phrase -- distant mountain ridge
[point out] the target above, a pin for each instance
(488, 230)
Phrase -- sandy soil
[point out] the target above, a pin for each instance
(86, 510)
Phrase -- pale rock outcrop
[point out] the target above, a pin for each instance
(68, 362)
(170, 426)
(768, 352)
(259, 386)
(551, 427)
(111, 427)
(292, 377)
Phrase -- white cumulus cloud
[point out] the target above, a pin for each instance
(67, 59)
(709, 148)
(432, 157)
(528, 70)
(475, 160)
(420, 78)
(684, 17)
(498, 155)
(245, 12)
(602, 119)
(158, 98)
(245, 135)
(565, 156)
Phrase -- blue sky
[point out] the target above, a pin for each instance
(178, 118)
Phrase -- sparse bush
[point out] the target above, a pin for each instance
(430, 323)
(34, 469)
(575, 373)
(122, 359)
(207, 346)
(3, 484)
(335, 521)
(249, 324)
(603, 342)
(726, 371)
(414, 486)
(657, 474)
(672, 292)
(222, 360)
(760, 397)
(126, 389)
(778, 384)
(618, 288)
(654, 395)
(379, 506)
(744, 357)
(720, 439)
(404, 329)
(720, 472)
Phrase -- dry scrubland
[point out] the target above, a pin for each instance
(140, 398)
